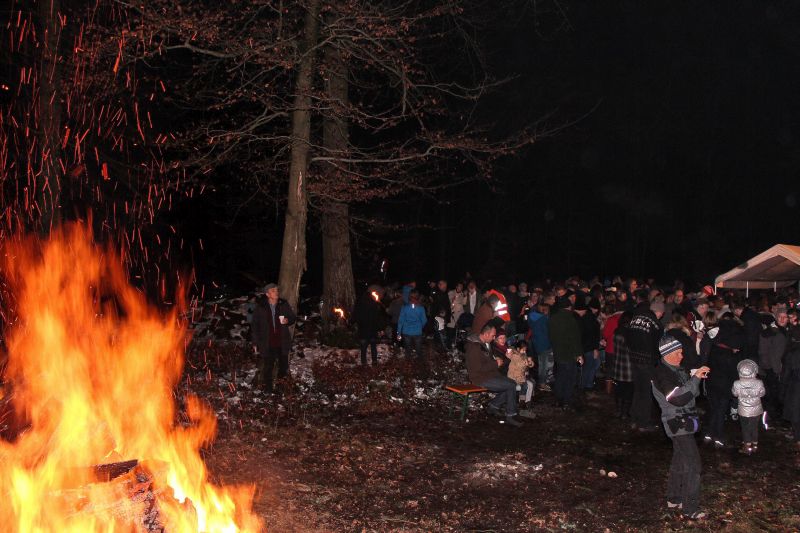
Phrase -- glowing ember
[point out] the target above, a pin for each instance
(339, 312)
(93, 369)
(375, 296)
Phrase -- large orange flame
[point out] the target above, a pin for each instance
(93, 369)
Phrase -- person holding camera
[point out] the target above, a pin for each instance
(675, 390)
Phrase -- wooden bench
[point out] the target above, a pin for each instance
(464, 391)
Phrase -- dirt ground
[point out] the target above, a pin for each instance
(391, 459)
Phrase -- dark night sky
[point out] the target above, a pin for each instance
(687, 166)
(684, 163)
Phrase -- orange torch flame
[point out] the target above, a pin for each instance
(339, 312)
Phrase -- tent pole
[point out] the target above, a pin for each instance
(747, 289)
(774, 286)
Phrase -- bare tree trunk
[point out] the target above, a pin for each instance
(293, 254)
(338, 287)
(48, 184)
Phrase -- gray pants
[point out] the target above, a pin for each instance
(683, 483)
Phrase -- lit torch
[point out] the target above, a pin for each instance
(375, 296)
(339, 312)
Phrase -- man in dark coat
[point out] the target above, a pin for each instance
(271, 335)
(641, 338)
(565, 337)
(441, 312)
(484, 370)
(370, 316)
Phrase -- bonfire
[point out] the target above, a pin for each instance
(104, 446)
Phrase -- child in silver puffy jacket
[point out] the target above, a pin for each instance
(749, 389)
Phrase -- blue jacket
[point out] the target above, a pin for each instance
(540, 337)
(412, 320)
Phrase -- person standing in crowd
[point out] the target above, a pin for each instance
(609, 328)
(442, 311)
(539, 346)
(395, 307)
(272, 337)
(771, 349)
(678, 328)
(642, 336)
(696, 316)
(790, 378)
(623, 371)
(483, 370)
(565, 337)
(726, 347)
(514, 308)
(590, 340)
(472, 299)
(369, 316)
(749, 390)
(675, 389)
(457, 299)
(411, 323)
(752, 327)
(486, 312)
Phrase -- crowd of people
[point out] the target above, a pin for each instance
(659, 350)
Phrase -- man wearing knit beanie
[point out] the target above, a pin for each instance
(675, 390)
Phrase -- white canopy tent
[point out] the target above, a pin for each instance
(776, 267)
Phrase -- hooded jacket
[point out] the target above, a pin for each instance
(540, 337)
(749, 389)
(412, 320)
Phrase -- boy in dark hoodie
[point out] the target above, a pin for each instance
(675, 391)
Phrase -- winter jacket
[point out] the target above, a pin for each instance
(483, 315)
(457, 301)
(675, 391)
(724, 356)
(518, 366)
(263, 324)
(691, 359)
(749, 389)
(790, 378)
(608, 331)
(472, 309)
(565, 336)
(752, 332)
(369, 316)
(538, 325)
(771, 348)
(642, 336)
(481, 366)
(514, 304)
(412, 320)
(440, 305)
(590, 332)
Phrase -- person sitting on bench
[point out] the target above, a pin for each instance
(484, 370)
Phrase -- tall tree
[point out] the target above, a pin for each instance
(338, 287)
(293, 256)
